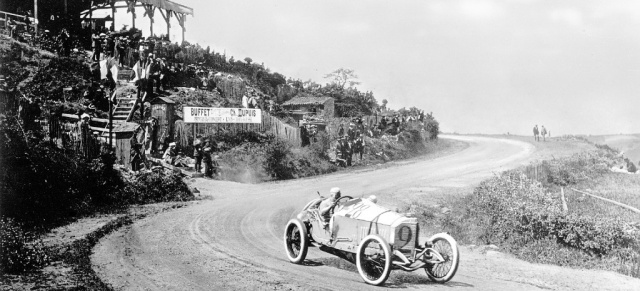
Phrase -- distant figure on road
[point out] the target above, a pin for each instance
(536, 133)
(544, 133)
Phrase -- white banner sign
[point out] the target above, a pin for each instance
(221, 115)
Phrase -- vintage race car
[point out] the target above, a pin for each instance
(375, 238)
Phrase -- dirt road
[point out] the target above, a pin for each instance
(234, 241)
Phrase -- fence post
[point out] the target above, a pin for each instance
(564, 201)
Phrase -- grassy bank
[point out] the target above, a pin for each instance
(257, 158)
(521, 212)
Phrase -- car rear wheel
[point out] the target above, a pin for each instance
(447, 248)
(373, 260)
(296, 241)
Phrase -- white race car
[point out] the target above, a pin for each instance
(377, 239)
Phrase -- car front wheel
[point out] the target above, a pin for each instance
(296, 241)
(373, 260)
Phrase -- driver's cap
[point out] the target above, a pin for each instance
(335, 191)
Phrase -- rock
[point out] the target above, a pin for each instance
(195, 190)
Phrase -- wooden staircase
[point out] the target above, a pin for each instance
(125, 108)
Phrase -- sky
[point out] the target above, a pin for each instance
(481, 66)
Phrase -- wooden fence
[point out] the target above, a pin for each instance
(67, 133)
(269, 124)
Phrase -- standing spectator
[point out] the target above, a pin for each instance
(351, 132)
(136, 156)
(396, 124)
(120, 50)
(535, 133)
(141, 70)
(341, 131)
(164, 73)
(359, 124)
(348, 152)
(359, 146)
(340, 152)
(543, 132)
(64, 41)
(27, 20)
(245, 101)
(198, 153)
(111, 46)
(208, 163)
(252, 101)
(97, 47)
(154, 77)
(383, 124)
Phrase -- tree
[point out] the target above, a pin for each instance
(248, 60)
(343, 76)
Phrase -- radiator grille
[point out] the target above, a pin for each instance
(406, 237)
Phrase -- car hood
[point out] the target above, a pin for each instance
(365, 210)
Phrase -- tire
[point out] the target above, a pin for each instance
(296, 241)
(447, 247)
(374, 269)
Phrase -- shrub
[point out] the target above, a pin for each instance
(278, 159)
(43, 184)
(20, 251)
(153, 187)
(49, 81)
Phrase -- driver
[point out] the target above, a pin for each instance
(327, 205)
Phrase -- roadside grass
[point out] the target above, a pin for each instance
(521, 211)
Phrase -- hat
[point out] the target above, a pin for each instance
(172, 144)
(92, 107)
(85, 116)
(335, 191)
(103, 34)
(207, 149)
(216, 157)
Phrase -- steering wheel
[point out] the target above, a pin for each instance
(340, 199)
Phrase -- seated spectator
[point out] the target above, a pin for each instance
(181, 160)
(170, 154)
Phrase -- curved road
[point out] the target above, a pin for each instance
(234, 240)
